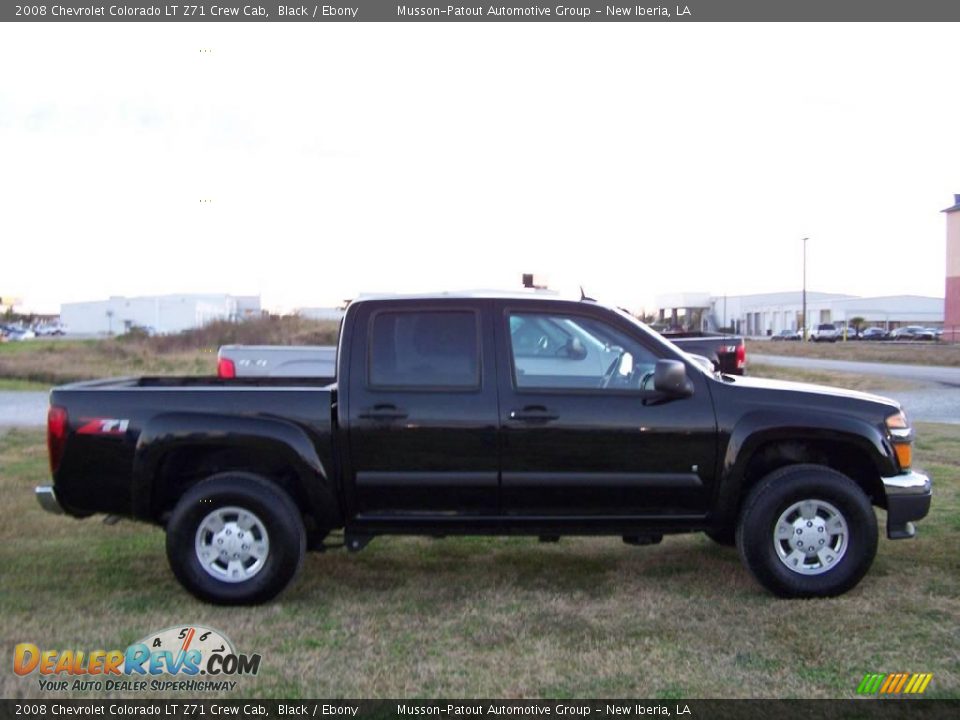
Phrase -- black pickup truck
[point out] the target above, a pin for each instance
(488, 414)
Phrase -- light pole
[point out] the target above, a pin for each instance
(805, 289)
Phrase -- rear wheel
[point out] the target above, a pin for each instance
(807, 531)
(235, 538)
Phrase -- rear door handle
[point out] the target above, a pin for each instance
(533, 413)
(383, 412)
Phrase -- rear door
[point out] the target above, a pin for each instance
(423, 410)
(583, 433)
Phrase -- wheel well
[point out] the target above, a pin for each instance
(844, 457)
(182, 468)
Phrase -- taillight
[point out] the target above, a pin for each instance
(226, 368)
(741, 356)
(56, 435)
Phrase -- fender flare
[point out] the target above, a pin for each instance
(756, 429)
(269, 436)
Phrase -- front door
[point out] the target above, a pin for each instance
(583, 433)
(422, 411)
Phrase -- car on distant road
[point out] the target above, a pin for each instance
(912, 332)
(18, 334)
(51, 330)
(825, 332)
(874, 333)
(786, 335)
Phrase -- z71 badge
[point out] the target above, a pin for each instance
(103, 426)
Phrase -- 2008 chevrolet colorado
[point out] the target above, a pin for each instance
(488, 413)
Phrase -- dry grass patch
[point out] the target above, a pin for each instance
(884, 352)
(499, 617)
(194, 352)
(849, 381)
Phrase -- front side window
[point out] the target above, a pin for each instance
(558, 351)
(424, 349)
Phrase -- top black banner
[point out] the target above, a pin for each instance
(496, 11)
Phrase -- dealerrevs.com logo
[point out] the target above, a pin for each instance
(189, 658)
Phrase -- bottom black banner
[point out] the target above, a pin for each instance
(866, 708)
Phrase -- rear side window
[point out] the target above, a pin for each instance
(424, 349)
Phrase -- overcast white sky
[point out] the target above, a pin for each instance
(635, 159)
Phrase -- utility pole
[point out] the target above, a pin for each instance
(805, 289)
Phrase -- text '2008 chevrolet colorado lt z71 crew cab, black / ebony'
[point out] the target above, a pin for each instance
(496, 414)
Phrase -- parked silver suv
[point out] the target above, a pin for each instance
(825, 332)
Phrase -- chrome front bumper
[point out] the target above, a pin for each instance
(908, 483)
(47, 498)
(908, 498)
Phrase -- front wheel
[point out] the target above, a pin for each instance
(807, 531)
(235, 539)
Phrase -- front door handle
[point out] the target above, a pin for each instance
(384, 411)
(533, 413)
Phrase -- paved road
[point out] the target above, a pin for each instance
(23, 408)
(935, 399)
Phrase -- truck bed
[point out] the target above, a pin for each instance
(200, 381)
(113, 426)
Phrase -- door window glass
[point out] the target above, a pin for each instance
(424, 349)
(558, 351)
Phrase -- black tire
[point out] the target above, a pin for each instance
(777, 492)
(273, 508)
(726, 536)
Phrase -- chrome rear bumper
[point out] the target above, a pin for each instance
(47, 498)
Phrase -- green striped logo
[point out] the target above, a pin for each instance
(894, 683)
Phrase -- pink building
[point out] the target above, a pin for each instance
(951, 301)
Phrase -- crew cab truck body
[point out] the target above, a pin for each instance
(494, 414)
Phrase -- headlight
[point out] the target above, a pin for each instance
(902, 437)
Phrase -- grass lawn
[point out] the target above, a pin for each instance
(850, 381)
(23, 385)
(493, 617)
(885, 352)
(54, 362)
(192, 352)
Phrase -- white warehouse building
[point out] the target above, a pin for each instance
(321, 313)
(769, 313)
(157, 313)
